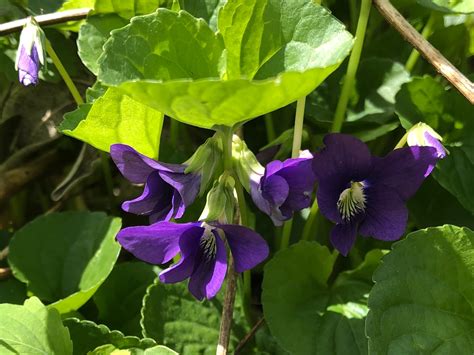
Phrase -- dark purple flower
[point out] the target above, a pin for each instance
(285, 187)
(365, 194)
(203, 251)
(28, 66)
(168, 189)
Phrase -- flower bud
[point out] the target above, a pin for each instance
(423, 135)
(221, 201)
(207, 161)
(246, 164)
(30, 54)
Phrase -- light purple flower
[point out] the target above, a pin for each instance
(168, 189)
(284, 188)
(202, 248)
(423, 135)
(365, 194)
(28, 66)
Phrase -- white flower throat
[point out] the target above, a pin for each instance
(351, 200)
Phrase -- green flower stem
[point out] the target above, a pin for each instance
(270, 128)
(64, 74)
(295, 152)
(174, 132)
(426, 33)
(310, 222)
(354, 60)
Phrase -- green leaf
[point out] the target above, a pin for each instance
(32, 329)
(64, 257)
(207, 11)
(422, 299)
(456, 173)
(12, 291)
(116, 118)
(87, 336)
(188, 74)
(304, 313)
(124, 8)
(456, 6)
(172, 317)
(119, 299)
(92, 37)
(111, 349)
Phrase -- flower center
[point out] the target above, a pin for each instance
(351, 200)
(208, 243)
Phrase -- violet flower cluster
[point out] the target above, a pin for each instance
(360, 193)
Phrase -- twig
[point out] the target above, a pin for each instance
(44, 20)
(13, 180)
(5, 273)
(249, 335)
(227, 310)
(431, 54)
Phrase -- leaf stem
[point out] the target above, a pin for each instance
(64, 74)
(352, 66)
(270, 128)
(295, 152)
(227, 310)
(310, 222)
(426, 33)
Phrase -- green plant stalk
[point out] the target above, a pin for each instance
(174, 132)
(295, 152)
(64, 74)
(270, 128)
(352, 66)
(310, 222)
(402, 141)
(426, 33)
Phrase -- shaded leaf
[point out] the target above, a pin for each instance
(422, 298)
(64, 257)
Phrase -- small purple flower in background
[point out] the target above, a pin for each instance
(168, 189)
(284, 188)
(365, 194)
(203, 251)
(423, 135)
(30, 54)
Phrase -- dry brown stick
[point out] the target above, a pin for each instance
(13, 180)
(249, 336)
(431, 54)
(44, 20)
(227, 310)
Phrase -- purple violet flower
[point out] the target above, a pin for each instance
(365, 194)
(168, 189)
(203, 251)
(30, 54)
(424, 136)
(284, 187)
(28, 66)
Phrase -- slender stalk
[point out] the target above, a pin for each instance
(228, 310)
(310, 222)
(249, 336)
(104, 159)
(64, 74)
(295, 152)
(431, 54)
(270, 128)
(352, 66)
(229, 298)
(174, 132)
(402, 141)
(426, 33)
(44, 20)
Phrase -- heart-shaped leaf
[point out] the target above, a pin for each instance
(422, 299)
(32, 329)
(304, 313)
(64, 257)
(206, 79)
